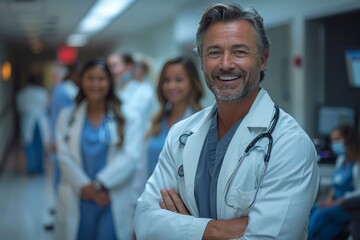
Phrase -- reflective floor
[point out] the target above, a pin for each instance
(25, 201)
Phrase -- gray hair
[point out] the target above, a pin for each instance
(226, 12)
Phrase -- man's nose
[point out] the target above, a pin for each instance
(227, 61)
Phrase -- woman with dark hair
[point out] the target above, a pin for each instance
(327, 218)
(97, 160)
(179, 92)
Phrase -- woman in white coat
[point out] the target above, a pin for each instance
(97, 160)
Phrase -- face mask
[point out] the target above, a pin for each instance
(338, 148)
(127, 76)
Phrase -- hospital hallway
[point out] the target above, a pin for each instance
(25, 200)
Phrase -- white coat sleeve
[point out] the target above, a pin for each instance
(152, 222)
(289, 189)
(72, 172)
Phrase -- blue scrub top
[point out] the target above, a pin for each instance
(96, 222)
(343, 179)
(156, 144)
(208, 170)
(93, 148)
(59, 100)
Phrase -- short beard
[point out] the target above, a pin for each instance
(239, 95)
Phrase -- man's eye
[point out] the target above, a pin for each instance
(241, 53)
(214, 53)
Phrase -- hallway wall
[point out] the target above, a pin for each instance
(7, 115)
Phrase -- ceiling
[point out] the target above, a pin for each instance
(51, 21)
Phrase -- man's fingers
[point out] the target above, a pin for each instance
(179, 204)
(162, 204)
(172, 202)
(169, 203)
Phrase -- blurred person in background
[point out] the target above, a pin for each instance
(58, 72)
(97, 145)
(327, 218)
(144, 102)
(122, 69)
(32, 103)
(146, 90)
(179, 93)
(139, 98)
(62, 95)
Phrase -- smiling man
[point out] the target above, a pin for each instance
(247, 169)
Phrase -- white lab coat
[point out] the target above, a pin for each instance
(285, 198)
(139, 98)
(32, 105)
(117, 175)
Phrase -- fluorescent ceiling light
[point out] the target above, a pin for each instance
(77, 40)
(102, 14)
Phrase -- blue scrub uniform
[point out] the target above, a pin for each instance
(327, 222)
(35, 153)
(156, 144)
(59, 100)
(96, 222)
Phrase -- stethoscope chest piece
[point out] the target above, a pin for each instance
(181, 171)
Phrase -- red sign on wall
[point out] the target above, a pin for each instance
(67, 55)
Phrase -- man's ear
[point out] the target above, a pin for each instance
(264, 59)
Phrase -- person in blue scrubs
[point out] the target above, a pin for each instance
(327, 218)
(63, 95)
(97, 160)
(179, 94)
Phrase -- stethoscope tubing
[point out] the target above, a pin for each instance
(268, 135)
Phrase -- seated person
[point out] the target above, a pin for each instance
(327, 218)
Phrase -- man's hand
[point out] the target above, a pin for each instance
(215, 229)
(225, 229)
(172, 202)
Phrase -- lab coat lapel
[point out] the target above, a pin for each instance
(191, 155)
(75, 131)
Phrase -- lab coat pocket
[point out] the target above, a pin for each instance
(240, 200)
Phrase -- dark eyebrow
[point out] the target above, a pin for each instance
(240, 46)
(214, 47)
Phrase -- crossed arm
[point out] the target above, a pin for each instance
(215, 229)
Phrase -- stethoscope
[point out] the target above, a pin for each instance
(104, 135)
(264, 135)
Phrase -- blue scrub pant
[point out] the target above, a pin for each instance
(96, 222)
(56, 171)
(325, 223)
(35, 153)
